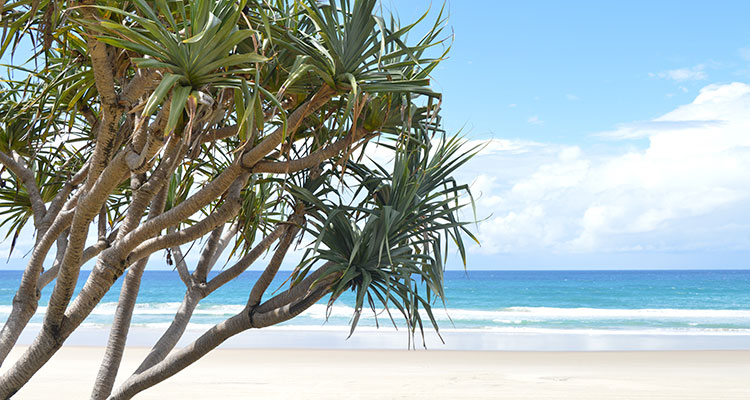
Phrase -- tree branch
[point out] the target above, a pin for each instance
(172, 335)
(223, 243)
(16, 165)
(193, 295)
(182, 357)
(57, 203)
(104, 74)
(246, 260)
(181, 265)
(89, 253)
(214, 188)
(144, 81)
(220, 133)
(26, 300)
(227, 210)
(50, 274)
(321, 276)
(219, 333)
(293, 309)
(87, 209)
(265, 279)
(201, 270)
(185, 209)
(144, 192)
(324, 94)
(313, 159)
(110, 266)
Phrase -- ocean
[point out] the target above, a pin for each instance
(638, 303)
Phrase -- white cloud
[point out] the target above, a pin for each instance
(695, 73)
(534, 120)
(572, 97)
(688, 190)
(644, 129)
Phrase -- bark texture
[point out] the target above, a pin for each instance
(118, 334)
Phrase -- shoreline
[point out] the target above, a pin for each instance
(335, 338)
(398, 374)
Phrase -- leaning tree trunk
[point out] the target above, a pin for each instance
(118, 335)
(24, 306)
(184, 357)
(197, 291)
(172, 335)
(26, 300)
(300, 298)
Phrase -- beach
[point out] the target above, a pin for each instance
(401, 374)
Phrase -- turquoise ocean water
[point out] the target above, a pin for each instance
(684, 302)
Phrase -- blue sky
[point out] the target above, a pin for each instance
(582, 67)
(619, 128)
(617, 133)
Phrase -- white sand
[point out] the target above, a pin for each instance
(388, 374)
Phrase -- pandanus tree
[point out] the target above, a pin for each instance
(140, 127)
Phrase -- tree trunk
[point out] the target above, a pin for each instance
(51, 337)
(44, 346)
(118, 334)
(184, 357)
(172, 335)
(26, 299)
(24, 307)
(300, 298)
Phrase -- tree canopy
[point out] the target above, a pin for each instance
(137, 128)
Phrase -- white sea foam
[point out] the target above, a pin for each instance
(510, 315)
(389, 328)
(601, 313)
(516, 330)
(344, 329)
(516, 315)
(169, 309)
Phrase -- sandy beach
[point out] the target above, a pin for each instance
(394, 374)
